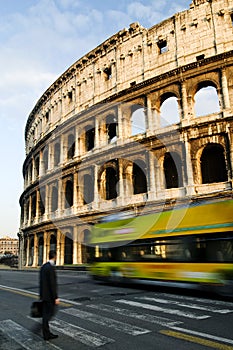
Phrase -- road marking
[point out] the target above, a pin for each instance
(202, 300)
(205, 335)
(108, 322)
(24, 337)
(80, 334)
(196, 340)
(143, 317)
(161, 309)
(190, 306)
(63, 302)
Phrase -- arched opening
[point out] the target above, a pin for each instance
(139, 178)
(57, 154)
(88, 189)
(111, 183)
(54, 199)
(53, 243)
(69, 194)
(206, 100)
(89, 138)
(40, 251)
(68, 258)
(213, 164)
(71, 146)
(172, 170)
(111, 127)
(138, 120)
(169, 110)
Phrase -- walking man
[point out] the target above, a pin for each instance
(48, 294)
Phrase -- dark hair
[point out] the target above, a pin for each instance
(52, 254)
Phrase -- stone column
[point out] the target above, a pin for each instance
(225, 92)
(184, 102)
(35, 257)
(27, 251)
(50, 156)
(63, 148)
(120, 123)
(150, 125)
(62, 254)
(77, 146)
(97, 133)
(58, 261)
(75, 245)
(60, 196)
(96, 190)
(190, 184)
(45, 250)
(75, 191)
(37, 205)
(47, 201)
(41, 164)
(151, 176)
(121, 195)
(30, 209)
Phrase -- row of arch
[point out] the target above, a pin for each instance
(213, 168)
(206, 102)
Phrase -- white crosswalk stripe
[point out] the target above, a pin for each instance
(107, 322)
(25, 338)
(13, 334)
(139, 316)
(187, 305)
(80, 334)
(152, 307)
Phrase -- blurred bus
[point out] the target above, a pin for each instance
(189, 245)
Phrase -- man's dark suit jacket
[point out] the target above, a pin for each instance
(48, 283)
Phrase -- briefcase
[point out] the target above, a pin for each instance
(36, 309)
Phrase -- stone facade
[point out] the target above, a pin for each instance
(102, 138)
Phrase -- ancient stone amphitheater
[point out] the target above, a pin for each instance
(141, 123)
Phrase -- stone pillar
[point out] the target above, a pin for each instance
(50, 156)
(62, 245)
(60, 196)
(75, 245)
(184, 102)
(190, 184)
(41, 164)
(46, 248)
(151, 176)
(97, 133)
(96, 190)
(35, 257)
(121, 195)
(58, 261)
(225, 92)
(150, 125)
(77, 146)
(27, 253)
(75, 190)
(37, 205)
(120, 123)
(30, 210)
(47, 201)
(63, 148)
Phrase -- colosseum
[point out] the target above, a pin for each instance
(141, 123)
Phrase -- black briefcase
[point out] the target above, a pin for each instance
(36, 309)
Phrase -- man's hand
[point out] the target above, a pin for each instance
(57, 301)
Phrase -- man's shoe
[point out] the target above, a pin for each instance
(53, 336)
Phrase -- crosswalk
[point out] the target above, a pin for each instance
(134, 316)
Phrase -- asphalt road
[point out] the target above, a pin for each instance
(97, 315)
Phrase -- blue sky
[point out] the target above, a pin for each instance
(39, 40)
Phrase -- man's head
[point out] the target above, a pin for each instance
(52, 255)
